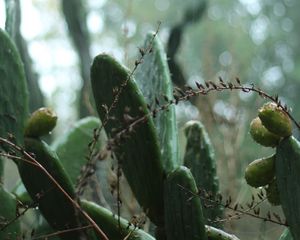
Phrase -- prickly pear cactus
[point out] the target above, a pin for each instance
(43, 191)
(288, 181)
(13, 97)
(200, 159)
(183, 212)
(139, 153)
(153, 78)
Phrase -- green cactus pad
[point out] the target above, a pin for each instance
(13, 89)
(288, 181)
(260, 172)
(217, 234)
(55, 207)
(200, 159)
(273, 193)
(40, 123)
(183, 211)
(8, 210)
(81, 134)
(139, 153)
(153, 78)
(275, 119)
(110, 226)
(262, 135)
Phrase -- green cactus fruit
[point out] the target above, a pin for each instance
(139, 153)
(80, 135)
(286, 235)
(261, 171)
(275, 119)
(273, 193)
(13, 89)
(53, 204)
(40, 123)
(288, 181)
(8, 211)
(110, 225)
(261, 135)
(200, 159)
(217, 234)
(183, 211)
(153, 78)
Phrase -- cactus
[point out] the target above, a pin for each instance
(199, 157)
(13, 98)
(183, 211)
(153, 78)
(288, 181)
(43, 191)
(140, 157)
(165, 190)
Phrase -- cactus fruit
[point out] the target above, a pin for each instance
(8, 211)
(273, 193)
(139, 154)
(13, 89)
(110, 224)
(261, 171)
(200, 159)
(153, 78)
(183, 212)
(53, 204)
(40, 123)
(275, 119)
(288, 181)
(262, 135)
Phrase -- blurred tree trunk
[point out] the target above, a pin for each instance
(75, 17)
(12, 26)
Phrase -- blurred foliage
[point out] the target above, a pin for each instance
(257, 41)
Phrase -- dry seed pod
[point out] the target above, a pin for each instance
(275, 119)
(40, 123)
(273, 193)
(261, 135)
(260, 172)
